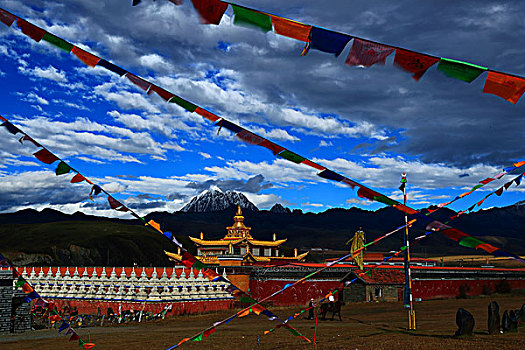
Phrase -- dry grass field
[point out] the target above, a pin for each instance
(364, 326)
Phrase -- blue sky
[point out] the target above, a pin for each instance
(367, 124)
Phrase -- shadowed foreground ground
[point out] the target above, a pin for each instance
(364, 326)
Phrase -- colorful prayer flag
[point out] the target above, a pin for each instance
(275, 148)
(45, 156)
(366, 53)
(330, 175)
(141, 83)
(414, 62)
(10, 127)
(313, 165)
(190, 107)
(165, 95)
(249, 18)
(290, 29)
(86, 57)
(328, 41)
(209, 332)
(77, 178)
(62, 168)
(74, 337)
(28, 138)
(249, 137)
(230, 126)
(111, 67)
(64, 325)
(30, 30)
(113, 203)
(292, 157)
(205, 114)
(197, 338)
(7, 18)
(464, 71)
(505, 86)
(210, 11)
(155, 225)
(58, 42)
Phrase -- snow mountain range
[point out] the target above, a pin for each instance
(216, 200)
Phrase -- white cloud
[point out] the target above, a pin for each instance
(50, 73)
(205, 155)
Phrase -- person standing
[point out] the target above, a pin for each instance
(311, 310)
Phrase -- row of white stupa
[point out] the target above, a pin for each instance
(121, 287)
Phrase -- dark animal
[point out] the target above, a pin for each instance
(465, 322)
(336, 309)
(494, 319)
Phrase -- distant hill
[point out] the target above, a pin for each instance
(51, 237)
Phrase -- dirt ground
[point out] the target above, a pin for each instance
(364, 326)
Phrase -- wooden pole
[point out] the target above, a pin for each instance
(315, 329)
(411, 311)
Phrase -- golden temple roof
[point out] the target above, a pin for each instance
(213, 259)
(238, 229)
(227, 242)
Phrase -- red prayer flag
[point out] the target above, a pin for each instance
(486, 181)
(210, 11)
(176, 2)
(26, 288)
(487, 247)
(209, 332)
(349, 182)
(454, 234)
(208, 115)
(414, 62)
(249, 137)
(86, 57)
(113, 203)
(365, 53)
(6, 17)
(45, 156)
(30, 30)
(313, 165)
(165, 95)
(367, 193)
(28, 138)
(505, 86)
(3, 119)
(74, 337)
(77, 178)
(141, 83)
(188, 260)
(276, 149)
(291, 29)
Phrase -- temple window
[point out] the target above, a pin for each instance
(255, 251)
(243, 250)
(236, 250)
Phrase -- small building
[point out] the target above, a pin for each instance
(377, 285)
(238, 247)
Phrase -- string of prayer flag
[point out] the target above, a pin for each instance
(363, 53)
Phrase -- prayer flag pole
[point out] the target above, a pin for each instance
(408, 279)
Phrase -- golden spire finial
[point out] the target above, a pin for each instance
(239, 211)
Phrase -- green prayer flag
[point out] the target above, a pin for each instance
(403, 247)
(385, 200)
(292, 157)
(470, 242)
(56, 41)
(62, 168)
(250, 18)
(199, 265)
(187, 105)
(198, 338)
(464, 71)
(294, 332)
(20, 282)
(369, 273)
(245, 299)
(81, 343)
(476, 187)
